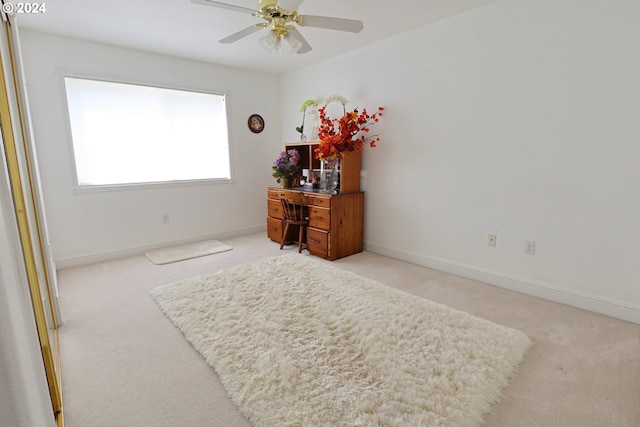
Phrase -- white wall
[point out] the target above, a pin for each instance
(91, 226)
(519, 118)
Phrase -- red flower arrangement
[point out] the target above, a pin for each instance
(348, 133)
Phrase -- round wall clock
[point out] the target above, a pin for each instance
(256, 123)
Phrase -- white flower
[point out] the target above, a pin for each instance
(337, 98)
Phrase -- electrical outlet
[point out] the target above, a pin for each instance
(530, 248)
(492, 240)
(165, 219)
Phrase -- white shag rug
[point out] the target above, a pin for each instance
(188, 251)
(299, 342)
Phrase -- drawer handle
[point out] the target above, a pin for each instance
(315, 241)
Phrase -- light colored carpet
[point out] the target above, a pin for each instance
(188, 251)
(125, 364)
(296, 341)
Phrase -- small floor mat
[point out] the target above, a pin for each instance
(188, 251)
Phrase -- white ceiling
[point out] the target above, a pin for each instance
(188, 30)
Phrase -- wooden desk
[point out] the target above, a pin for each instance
(335, 221)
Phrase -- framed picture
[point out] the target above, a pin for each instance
(256, 123)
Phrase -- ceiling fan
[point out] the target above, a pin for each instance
(279, 14)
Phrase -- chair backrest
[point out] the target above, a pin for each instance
(293, 207)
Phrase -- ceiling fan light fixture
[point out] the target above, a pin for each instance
(293, 44)
(280, 44)
(269, 41)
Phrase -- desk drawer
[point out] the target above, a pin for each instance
(275, 194)
(274, 208)
(319, 217)
(318, 242)
(274, 229)
(320, 201)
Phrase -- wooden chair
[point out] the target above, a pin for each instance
(294, 212)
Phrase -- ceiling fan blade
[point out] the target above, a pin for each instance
(225, 6)
(289, 5)
(306, 47)
(240, 34)
(350, 25)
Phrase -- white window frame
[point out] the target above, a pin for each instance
(79, 188)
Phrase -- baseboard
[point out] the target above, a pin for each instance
(97, 257)
(597, 304)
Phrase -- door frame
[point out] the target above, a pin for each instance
(21, 164)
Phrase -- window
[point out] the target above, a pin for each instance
(130, 134)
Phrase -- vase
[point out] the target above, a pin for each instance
(330, 175)
(310, 124)
(285, 182)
